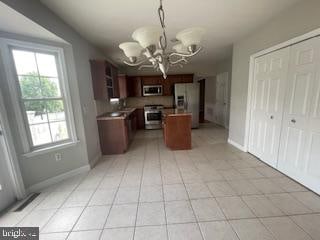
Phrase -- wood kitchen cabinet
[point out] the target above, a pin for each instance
(177, 130)
(134, 86)
(116, 133)
(152, 80)
(105, 80)
(123, 88)
(140, 118)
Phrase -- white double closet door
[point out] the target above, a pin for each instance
(285, 116)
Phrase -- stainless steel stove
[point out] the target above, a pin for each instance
(153, 116)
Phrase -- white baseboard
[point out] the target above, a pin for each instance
(94, 161)
(237, 145)
(51, 181)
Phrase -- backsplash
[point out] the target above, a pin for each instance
(166, 101)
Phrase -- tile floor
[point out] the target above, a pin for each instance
(211, 192)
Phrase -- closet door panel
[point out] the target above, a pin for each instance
(267, 107)
(299, 153)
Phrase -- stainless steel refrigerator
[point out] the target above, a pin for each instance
(187, 97)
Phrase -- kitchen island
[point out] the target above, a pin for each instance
(177, 129)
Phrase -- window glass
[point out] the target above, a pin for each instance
(41, 96)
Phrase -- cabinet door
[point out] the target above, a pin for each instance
(115, 83)
(152, 80)
(122, 81)
(99, 83)
(140, 118)
(187, 78)
(134, 86)
(300, 143)
(267, 105)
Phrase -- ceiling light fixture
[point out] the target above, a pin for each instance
(151, 43)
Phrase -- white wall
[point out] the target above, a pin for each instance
(298, 20)
(78, 53)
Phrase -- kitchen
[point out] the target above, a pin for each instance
(144, 102)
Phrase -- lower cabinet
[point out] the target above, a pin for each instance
(116, 134)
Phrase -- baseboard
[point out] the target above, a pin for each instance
(51, 181)
(94, 161)
(237, 145)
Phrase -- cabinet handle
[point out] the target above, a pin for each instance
(271, 117)
(293, 120)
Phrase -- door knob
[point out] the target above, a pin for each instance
(293, 120)
(271, 117)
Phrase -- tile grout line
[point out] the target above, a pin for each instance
(85, 207)
(194, 214)
(114, 197)
(162, 189)
(141, 178)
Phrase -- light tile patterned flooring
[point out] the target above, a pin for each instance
(211, 192)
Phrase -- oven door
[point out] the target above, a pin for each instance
(153, 117)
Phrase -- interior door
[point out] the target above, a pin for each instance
(7, 195)
(267, 105)
(222, 99)
(300, 144)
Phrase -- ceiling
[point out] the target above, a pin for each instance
(13, 22)
(107, 23)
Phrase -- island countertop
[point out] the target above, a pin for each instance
(175, 112)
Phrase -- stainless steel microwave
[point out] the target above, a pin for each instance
(152, 90)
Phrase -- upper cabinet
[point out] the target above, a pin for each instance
(107, 83)
(134, 86)
(105, 80)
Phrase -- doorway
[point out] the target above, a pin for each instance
(222, 100)
(202, 100)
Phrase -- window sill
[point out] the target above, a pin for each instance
(50, 149)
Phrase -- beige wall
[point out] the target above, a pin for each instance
(78, 52)
(298, 20)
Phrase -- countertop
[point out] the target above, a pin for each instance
(175, 112)
(124, 114)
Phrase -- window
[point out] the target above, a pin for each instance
(42, 97)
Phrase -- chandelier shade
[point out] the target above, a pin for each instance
(180, 48)
(147, 36)
(131, 49)
(190, 36)
(152, 43)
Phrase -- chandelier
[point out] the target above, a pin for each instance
(150, 48)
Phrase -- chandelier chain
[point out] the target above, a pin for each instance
(163, 38)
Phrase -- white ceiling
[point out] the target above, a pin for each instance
(13, 22)
(107, 23)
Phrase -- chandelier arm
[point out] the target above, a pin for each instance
(184, 54)
(179, 61)
(146, 66)
(135, 64)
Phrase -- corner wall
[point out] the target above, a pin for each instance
(42, 167)
(303, 17)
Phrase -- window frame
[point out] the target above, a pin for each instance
(18, 101)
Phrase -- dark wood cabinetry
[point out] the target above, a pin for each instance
(134, 86)
(135, 83)
(151, 80)
(104, 80)
(140, 118)
(116, 134)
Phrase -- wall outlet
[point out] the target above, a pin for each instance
(58, 157)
